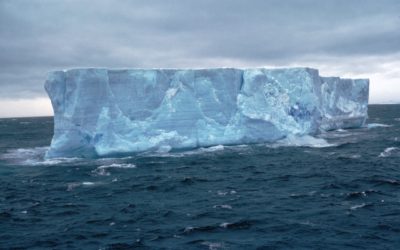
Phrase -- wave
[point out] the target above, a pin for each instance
(36, 157)
(391, 151)
(223, 206)
(32, 157)
(378, 125)
(240, 224)
(361, 194)
(118, 165)
(213, 148)
(214, 245)
(362, 205)
(73, 185)
(302, 141)
(189, 152)
(20, 152)
(102, 170)
(289, 141)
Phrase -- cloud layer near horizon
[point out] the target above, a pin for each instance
(355, 38)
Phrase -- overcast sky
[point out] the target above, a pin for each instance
(350, 38)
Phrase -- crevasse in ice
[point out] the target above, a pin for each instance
(100, 112)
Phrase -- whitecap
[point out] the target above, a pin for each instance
(118, 165)
(102, 170)
(201, 150)
(111, 160)
(221, 193)
(33, 157)
(336, 134)
(355, 207)
(224, 193)
(164, 149)
(196, 151)
(350, 156)
(50, 162)
(88, 183)
(389, 152)
(355, 156)
(71, 186)
(223, 206)
(24, 153)
(213, 148)
(302, 141)
(213, 245)
(188, 229)
(224, 224)
(378, 125)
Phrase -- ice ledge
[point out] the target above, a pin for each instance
(99, 112)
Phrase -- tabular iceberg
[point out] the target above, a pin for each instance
(100, 112)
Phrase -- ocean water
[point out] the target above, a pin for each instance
(340, 190)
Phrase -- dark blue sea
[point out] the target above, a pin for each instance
(338, 191)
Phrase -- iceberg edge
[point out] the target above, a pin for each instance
(101, 112)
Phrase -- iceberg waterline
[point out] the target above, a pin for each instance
(100, 112)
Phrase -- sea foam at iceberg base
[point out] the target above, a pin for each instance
(101, 112)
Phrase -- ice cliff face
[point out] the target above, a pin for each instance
(99, 112)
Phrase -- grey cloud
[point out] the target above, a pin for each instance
(39, 36)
